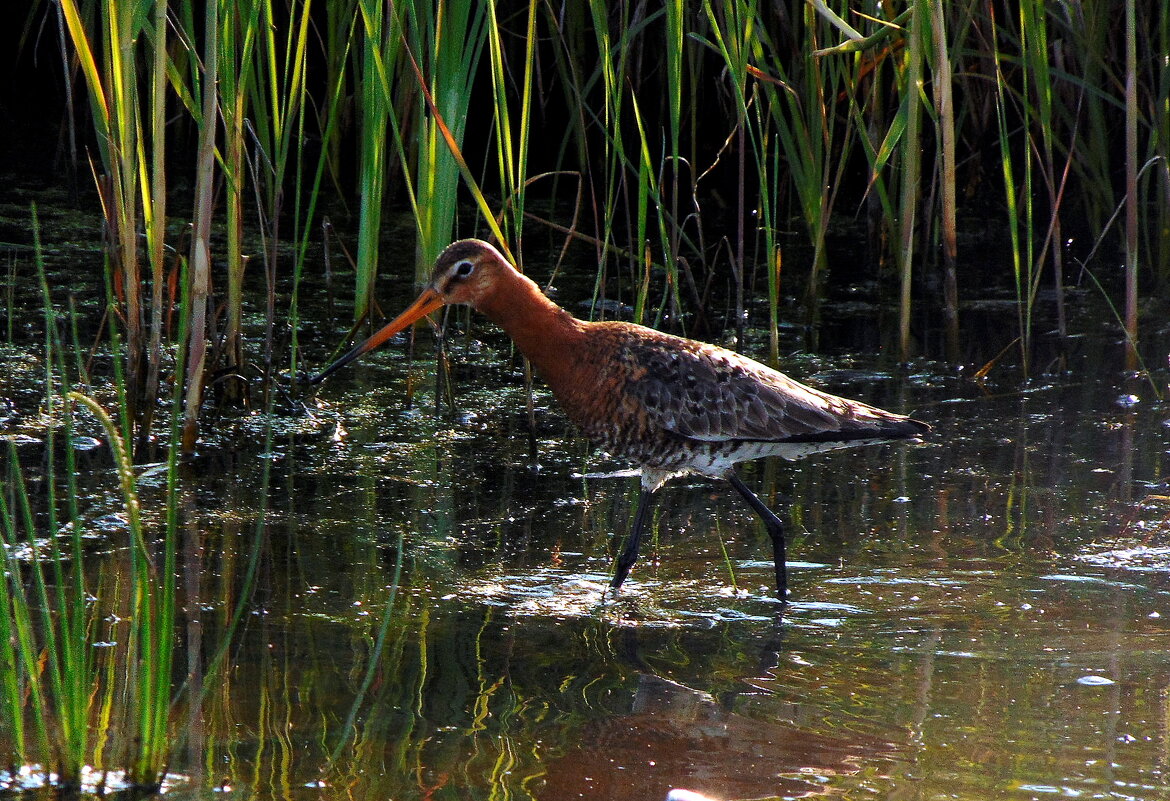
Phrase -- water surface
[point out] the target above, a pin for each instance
(980, 616)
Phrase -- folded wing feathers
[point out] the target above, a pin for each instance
(708, 393)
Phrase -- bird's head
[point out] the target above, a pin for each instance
(465, 272)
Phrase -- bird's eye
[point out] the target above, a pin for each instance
(463, 268)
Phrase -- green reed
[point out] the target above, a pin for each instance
(106, 55)
(150, 637)
(802, 100)
(1031, 100)
(379, 40)
(237, 35)
(48, 615)
(1008, 170)
(674, 46)
(21, 679)
(338, 41)
(512, 141)
(1040, 104)
(52, 615)
(610, 71)
(733, 28)
(912, 78)
(199, 260)
(448, 39)
(155, 221)
(260, 77)
(245, 75)
(634, 172)
(832, 115)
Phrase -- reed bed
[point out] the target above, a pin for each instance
(71, 707)
(88, 642)
(905, 118)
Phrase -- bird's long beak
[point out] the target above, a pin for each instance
(426, 303)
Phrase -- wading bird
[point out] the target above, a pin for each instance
(671, 405)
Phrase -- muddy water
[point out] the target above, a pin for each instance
(983, 616)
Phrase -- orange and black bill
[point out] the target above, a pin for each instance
(427, 302)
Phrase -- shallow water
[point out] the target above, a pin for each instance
(981, 616)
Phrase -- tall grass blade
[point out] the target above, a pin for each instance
(451, 42)
(237, 35)
(449, 138)
(1008, 171)
(154, 219)
(911, 151)
(379, 42)
(107, 56)
(1131, 187)
(512, 141)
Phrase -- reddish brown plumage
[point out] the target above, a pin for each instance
(669, 404)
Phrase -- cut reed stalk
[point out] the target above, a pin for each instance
(944, 109)
(199, 273)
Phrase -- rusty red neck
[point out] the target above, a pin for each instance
(547, 334)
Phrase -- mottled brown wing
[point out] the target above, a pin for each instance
(709, 393)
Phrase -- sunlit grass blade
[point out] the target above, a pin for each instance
(108, 58)
(379, 40)
(62, 633)
(911, 166)
(50, 613)
(23, 676)
(451, 43)
(1014, 221)
(485, 209)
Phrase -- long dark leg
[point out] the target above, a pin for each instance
(775, 531)
(629, 554)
